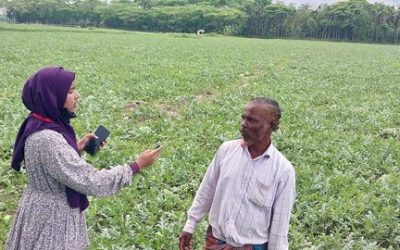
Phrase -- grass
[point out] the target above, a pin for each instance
(340, 126)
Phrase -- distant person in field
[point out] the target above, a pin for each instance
(51, 213)
(249, 189)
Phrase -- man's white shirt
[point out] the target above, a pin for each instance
(249, 201)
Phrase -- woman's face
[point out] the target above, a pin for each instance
(72, 99)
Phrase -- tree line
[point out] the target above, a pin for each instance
(351, 20)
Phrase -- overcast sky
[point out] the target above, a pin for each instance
(316, 3)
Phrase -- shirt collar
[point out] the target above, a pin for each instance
(267, 153)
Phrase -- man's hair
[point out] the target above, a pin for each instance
(270, 102)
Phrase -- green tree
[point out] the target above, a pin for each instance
(278, 19)
(382, 14)
(304, 23)
(255, 9)
(396, 25)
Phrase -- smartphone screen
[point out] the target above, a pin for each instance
(102, 133)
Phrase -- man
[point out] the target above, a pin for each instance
(249, 189)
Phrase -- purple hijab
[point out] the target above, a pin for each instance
(44, 94)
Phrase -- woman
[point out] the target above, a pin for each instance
(51, 211)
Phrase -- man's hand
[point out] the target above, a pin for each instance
(185, 241)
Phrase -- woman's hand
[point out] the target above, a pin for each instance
(148, 157)
(84, 140)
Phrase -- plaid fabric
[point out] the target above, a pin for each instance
(213, 243)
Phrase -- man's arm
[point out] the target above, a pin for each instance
(281, 211)
(201, 203)
(204, 196)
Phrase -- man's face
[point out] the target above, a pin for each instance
(256, 123)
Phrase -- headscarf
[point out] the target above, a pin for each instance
(44, 94)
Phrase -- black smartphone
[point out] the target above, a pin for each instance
(94, 144)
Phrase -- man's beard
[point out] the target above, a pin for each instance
(248, 141)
